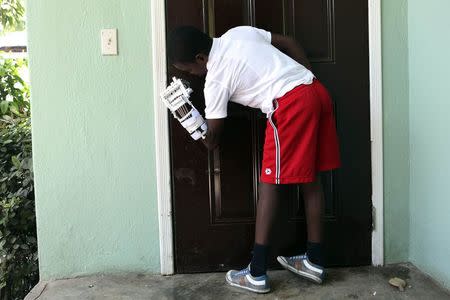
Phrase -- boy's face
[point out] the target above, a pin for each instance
(197, 68)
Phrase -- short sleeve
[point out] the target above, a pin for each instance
(216, 100)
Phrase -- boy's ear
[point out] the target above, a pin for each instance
(201, 58)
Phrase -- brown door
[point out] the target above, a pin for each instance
(215, 193)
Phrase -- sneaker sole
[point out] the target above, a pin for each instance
(308, 276)
(246, 287)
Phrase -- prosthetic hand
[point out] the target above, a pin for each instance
(176, 98)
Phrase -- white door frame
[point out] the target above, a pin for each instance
(158, 23)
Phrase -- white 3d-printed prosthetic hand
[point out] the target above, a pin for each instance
(176, 98)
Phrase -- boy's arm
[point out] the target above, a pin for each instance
(290, 46)
(215, 128)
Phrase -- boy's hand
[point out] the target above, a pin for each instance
(215, 128)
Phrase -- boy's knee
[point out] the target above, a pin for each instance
(270, 187)
(316, 184)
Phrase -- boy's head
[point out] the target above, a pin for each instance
(188, 49)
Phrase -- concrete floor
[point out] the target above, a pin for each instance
(345, 283)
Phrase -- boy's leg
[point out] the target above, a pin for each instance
(266, 214)
(310, 266)
(254, 278)
(314, 205)
(266, 211)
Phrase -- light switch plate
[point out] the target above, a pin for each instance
(109, 41)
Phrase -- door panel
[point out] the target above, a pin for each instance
(215, 193)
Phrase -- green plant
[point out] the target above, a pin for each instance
(12, 15)
(18, 245)
(14, 92)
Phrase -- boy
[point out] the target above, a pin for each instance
(246, 65)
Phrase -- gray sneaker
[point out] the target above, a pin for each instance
(244, 280)
(301, 266)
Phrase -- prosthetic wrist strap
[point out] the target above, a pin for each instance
(176, 98)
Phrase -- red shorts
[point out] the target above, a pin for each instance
(301, 137)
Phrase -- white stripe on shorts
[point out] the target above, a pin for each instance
(277, 145)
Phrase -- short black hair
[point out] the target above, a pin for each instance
(185, 42)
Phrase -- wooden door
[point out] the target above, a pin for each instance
(215, 193)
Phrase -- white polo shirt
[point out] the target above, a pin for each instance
(245, 68)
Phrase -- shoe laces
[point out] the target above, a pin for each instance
(243, 272)
(298, 257)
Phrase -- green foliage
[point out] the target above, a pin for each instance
(18, 245)
(16, 166)
(14, 92)
(12, 14)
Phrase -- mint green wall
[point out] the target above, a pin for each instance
(93, 138)
(429, 89)
(396, 129)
